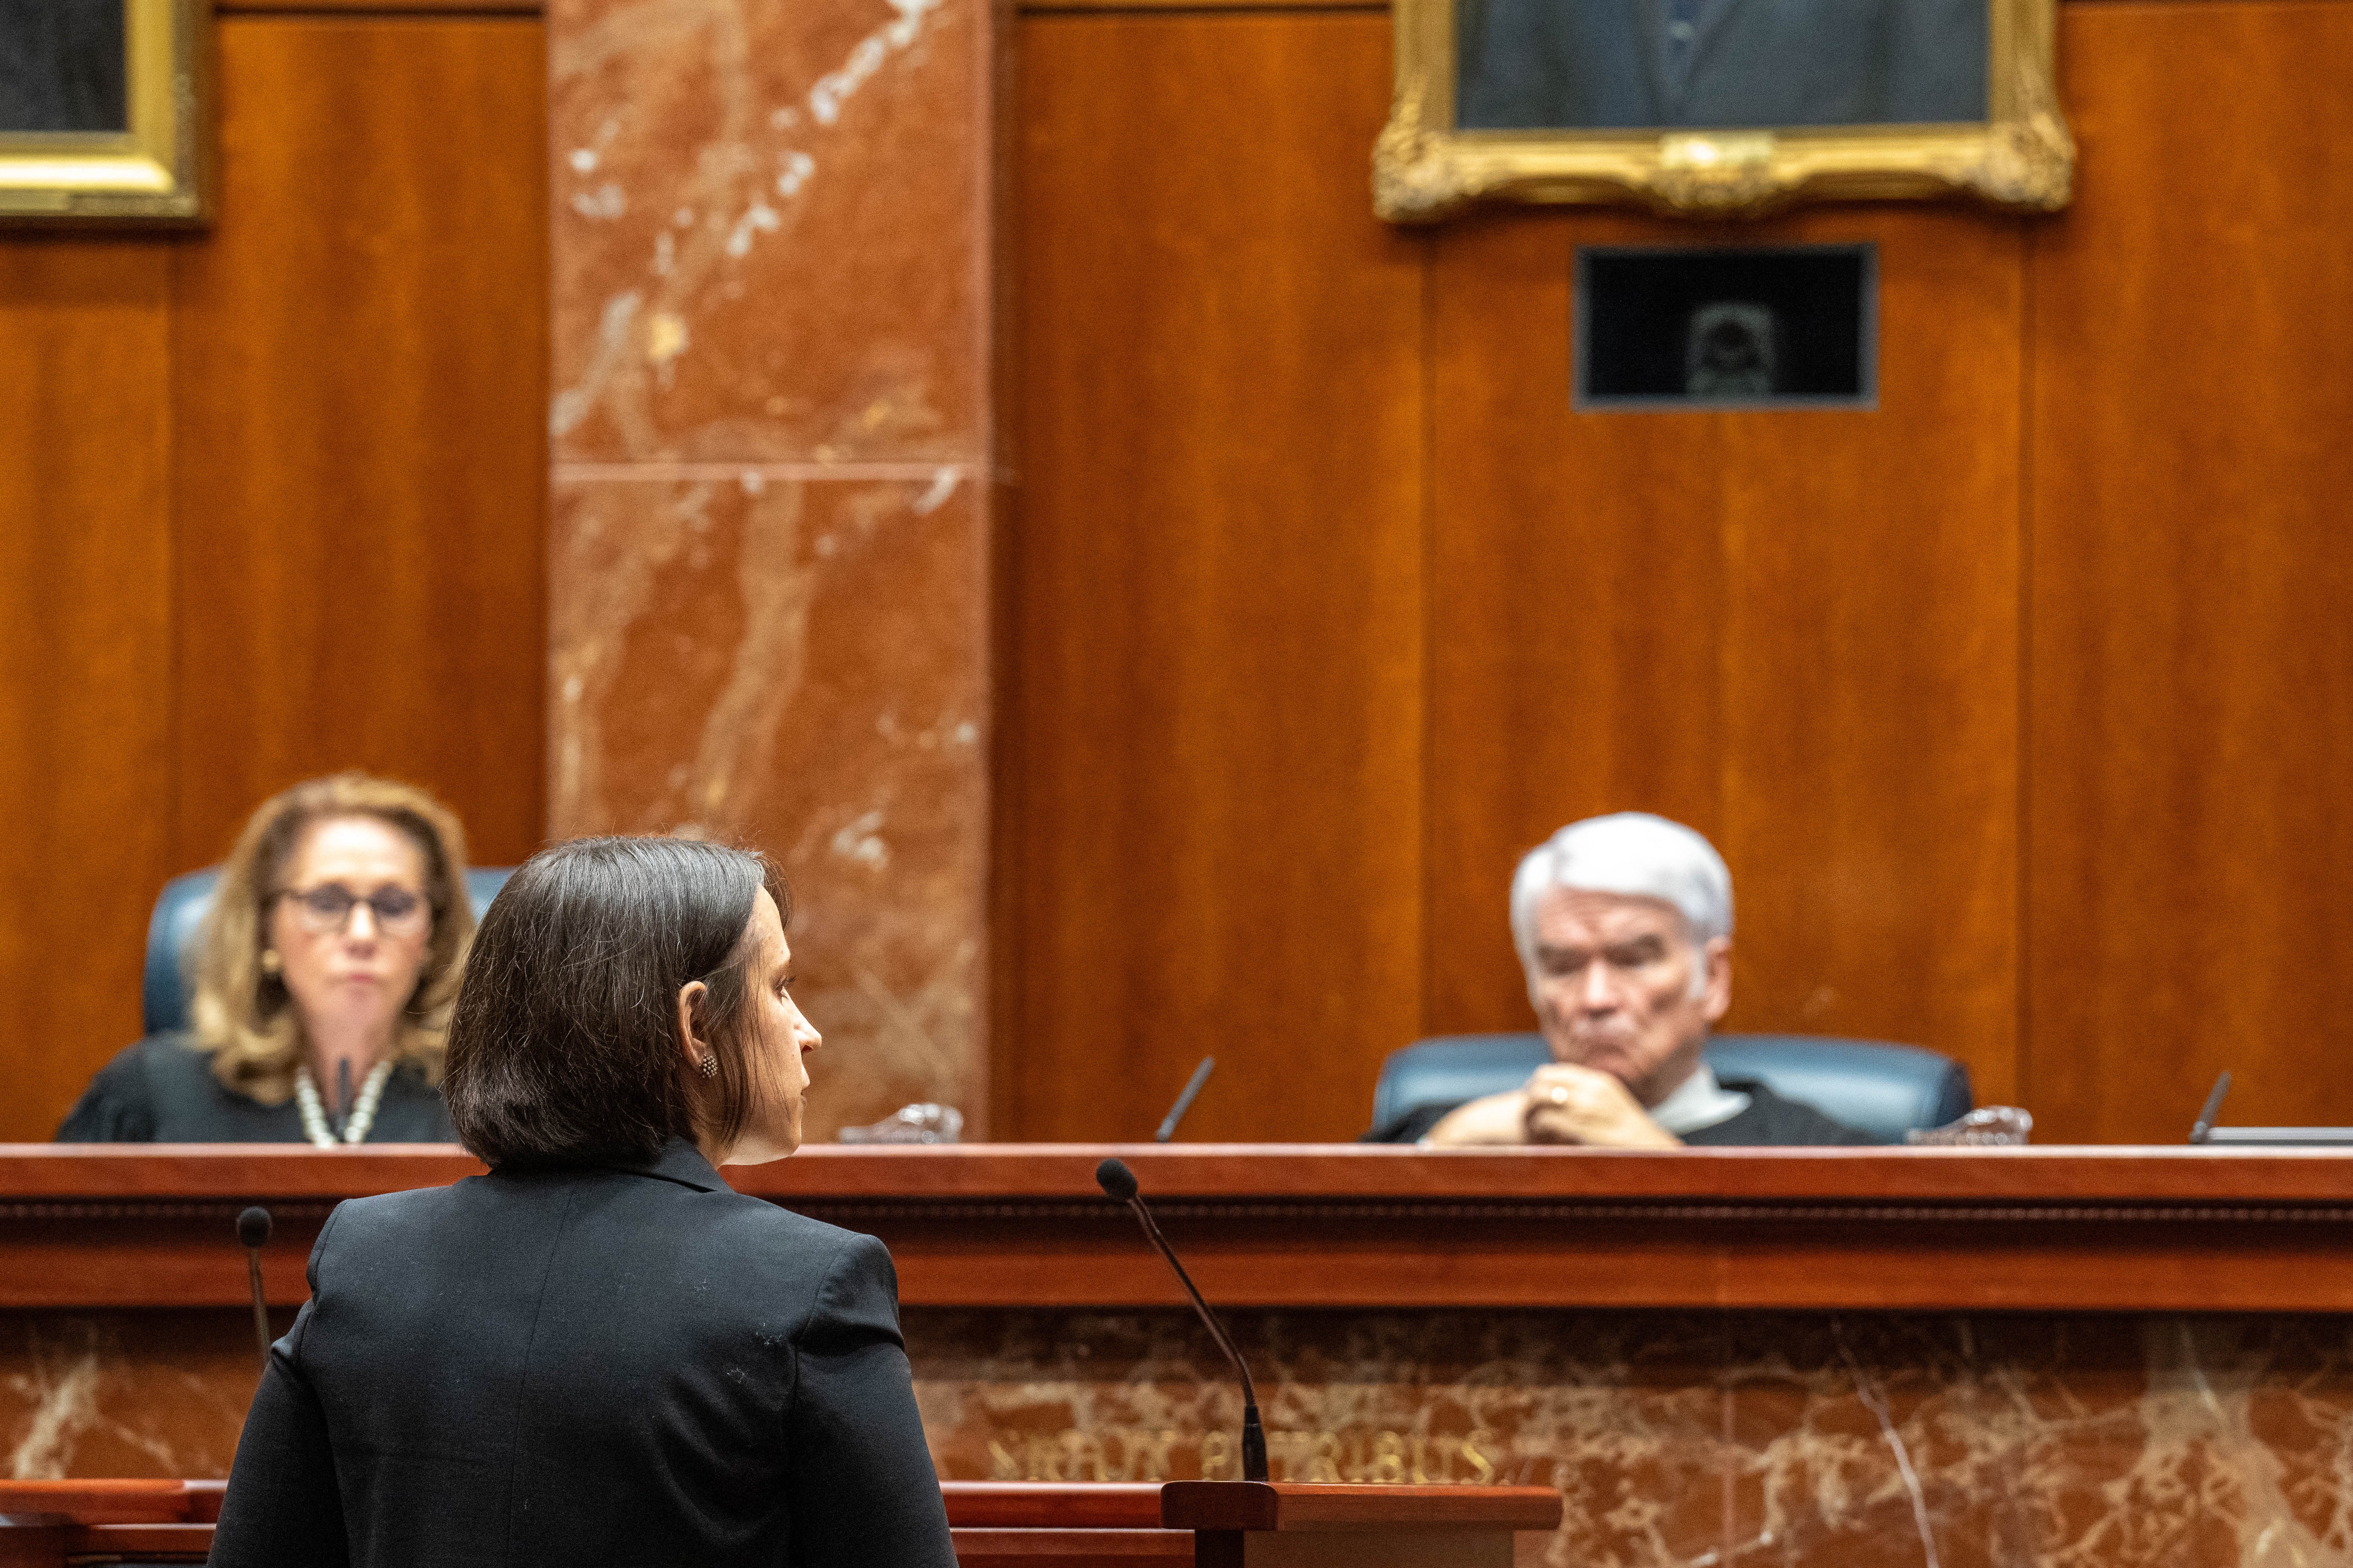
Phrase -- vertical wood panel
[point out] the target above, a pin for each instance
(2192, 656)
(1216, 632)
(361, 388)
(1796, 630)
(270, 500)
(85, 654)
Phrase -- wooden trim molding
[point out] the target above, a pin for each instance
(381, 7)
(1007, 1525)
(2204, 1178)
(1338, 1225)
(1284, 1506)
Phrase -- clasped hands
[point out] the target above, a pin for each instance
(1560, 1103)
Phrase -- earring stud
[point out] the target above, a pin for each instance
(271, 962)
(709, 1066)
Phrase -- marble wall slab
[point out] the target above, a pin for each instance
(158, 1394)
(1678, 1440)
(771, 459)
(1701, 1440)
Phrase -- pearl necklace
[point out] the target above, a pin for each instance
(314, 1115)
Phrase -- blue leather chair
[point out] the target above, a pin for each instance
(180, 909)
(1874, 1087)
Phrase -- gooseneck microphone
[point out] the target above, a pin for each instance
(1119, 1183)
(253, 1229)
(2202, 1130)
(1184, 1101)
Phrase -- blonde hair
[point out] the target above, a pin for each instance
(244, 1015)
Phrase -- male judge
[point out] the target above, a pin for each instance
(1624, 927)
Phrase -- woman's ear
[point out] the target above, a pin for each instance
(691, 1042)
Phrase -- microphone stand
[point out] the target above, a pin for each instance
(252, 1231)
(1118, 1181)
(1184, 1101)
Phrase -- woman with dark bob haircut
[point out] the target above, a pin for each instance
(598, 1353)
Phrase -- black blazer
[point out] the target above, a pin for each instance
(634, 1367)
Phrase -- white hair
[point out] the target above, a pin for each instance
(1632, 853)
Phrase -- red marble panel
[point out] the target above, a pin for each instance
(771, 440)
(1958, 1442)
(769, 229)
(801, 666)
(158, 1394)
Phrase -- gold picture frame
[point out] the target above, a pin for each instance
(157, 170)
(2020, 156)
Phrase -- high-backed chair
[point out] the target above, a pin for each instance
(180, 909)
(1870, 1085)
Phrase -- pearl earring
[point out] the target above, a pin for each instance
(270, 962)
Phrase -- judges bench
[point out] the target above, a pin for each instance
(1822, 1354)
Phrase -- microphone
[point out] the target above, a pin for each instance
(253, 1229)
(2202, 1130)
(1118, 1183)
(1184, 1101)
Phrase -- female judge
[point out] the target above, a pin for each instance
(598, 1353)
(323, 979)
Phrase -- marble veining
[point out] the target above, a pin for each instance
(801, 667)
(160, 1394)
(768, 237)
(1704, 1440)
(770, 441)
(1689, 1440)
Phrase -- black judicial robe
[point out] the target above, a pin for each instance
(627, 1366)
(162, 1090)
(1766, 1121)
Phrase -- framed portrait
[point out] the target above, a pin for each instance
(104, 111)
(1718, 107)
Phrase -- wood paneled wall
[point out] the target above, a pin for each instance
(2018, 705)
(270, 496)
(1795, 631)
(1217, 637)
(2190, 712)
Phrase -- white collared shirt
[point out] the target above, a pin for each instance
(1699, 1101)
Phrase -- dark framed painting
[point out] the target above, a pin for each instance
(104, 111)
(1720, 107)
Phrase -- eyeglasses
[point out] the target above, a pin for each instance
(396, 911)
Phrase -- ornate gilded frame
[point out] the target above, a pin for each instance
(2021, 157)
(159, 171)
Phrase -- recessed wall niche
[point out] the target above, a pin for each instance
(1688, 327)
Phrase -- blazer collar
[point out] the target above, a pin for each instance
(679, 1162)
